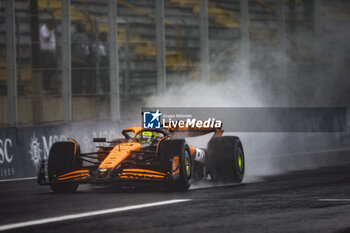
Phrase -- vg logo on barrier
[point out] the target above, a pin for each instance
(151, 120)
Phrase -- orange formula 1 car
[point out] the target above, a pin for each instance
(145, 155)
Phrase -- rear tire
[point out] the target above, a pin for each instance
(181, 177)
(226, 159)
(62, 160)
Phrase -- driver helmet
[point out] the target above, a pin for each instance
(149, 137)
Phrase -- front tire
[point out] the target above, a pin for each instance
(226, 159)
(62, 160)
(175, 158)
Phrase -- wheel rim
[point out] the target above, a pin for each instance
(187, 164)
(240, 161)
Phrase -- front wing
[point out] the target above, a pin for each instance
(95, 175)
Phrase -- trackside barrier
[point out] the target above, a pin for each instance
(22, 149)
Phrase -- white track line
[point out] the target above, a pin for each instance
(334, 200)
(313, 152)
(87, 214)
(19, 179)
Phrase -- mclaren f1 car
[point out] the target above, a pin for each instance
(145, 155)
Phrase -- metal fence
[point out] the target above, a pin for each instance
(83, 60)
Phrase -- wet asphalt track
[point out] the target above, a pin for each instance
(284, 203)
